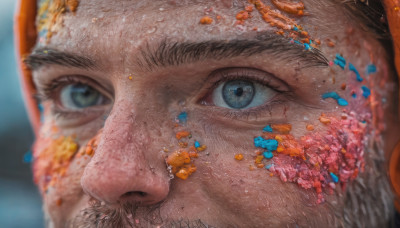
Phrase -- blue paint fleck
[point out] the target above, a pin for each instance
(197, 144)
(307, 46)
(371, 68)
(267, 128)
(268, 166)
(334, 95)
(268, 144)
(353, 68)
(342, 102)
(340, 61)
(295, 28)
(354, 95)
(298, 42)
(268, 154)
(334, 177)
(28, 157)
(182, 117)
(366, 91)
(40, 107)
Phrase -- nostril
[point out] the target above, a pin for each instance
(135, 194)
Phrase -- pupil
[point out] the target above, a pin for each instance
(239, 91)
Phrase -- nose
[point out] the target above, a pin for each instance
(123, 169)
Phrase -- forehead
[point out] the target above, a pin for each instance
(106, 23)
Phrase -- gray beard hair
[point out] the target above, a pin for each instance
(366, 202)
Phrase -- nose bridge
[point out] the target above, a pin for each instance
(120, 169)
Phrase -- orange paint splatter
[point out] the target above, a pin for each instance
(272, 17)
(206, 20)
(310, 127)
(53, 161)
(290, 7)
(282, 128)
(239, 157)
(50, 15)
(182, 134)
(324, 119)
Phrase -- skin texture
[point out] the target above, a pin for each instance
(132, 134)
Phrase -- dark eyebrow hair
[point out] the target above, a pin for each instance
(45, 56)
(176, 53)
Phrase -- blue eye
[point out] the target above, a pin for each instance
(238, 94)
(80, 96)
(241, 94)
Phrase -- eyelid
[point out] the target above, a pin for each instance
(48, 91)
(221, 75)
(256, 75)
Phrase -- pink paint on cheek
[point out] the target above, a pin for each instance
(320, 160)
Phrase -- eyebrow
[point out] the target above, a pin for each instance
(45, 56)
(178, 53)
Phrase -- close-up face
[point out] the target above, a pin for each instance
(212, 114)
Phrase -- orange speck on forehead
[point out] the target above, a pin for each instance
(72, 5)
(206, 20)
(50, 15)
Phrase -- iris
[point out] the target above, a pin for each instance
(238, 94)
(80, 96)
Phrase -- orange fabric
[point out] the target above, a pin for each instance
(392, 8)
(25, 39)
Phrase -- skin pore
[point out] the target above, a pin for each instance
(129, 158)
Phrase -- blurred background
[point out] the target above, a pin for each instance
(20, 202)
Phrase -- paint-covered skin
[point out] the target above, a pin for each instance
(131, 160)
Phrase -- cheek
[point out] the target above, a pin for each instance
(59, 163)
(321, 160)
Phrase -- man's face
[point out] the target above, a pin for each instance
(153, 118)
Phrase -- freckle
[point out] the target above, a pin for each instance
(310, 127)
(251, 168)
(331, 44)
(130, 77)
(317, 41)
(219, 17)
(343, 86)
(260, 166)
(239, 157)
